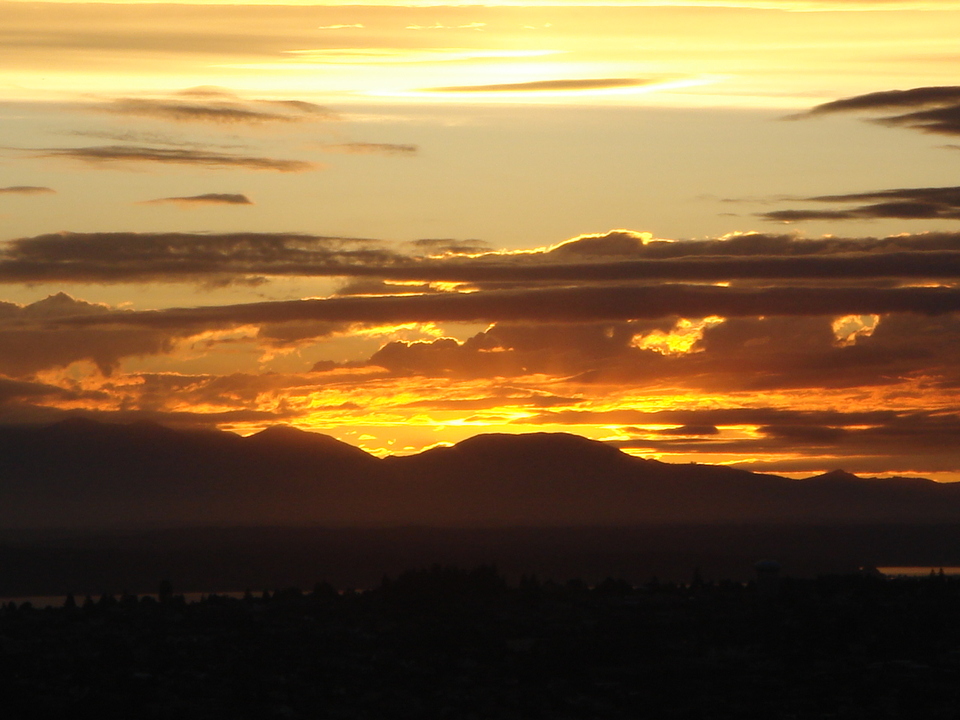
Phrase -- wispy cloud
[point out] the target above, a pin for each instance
(548, 86)
(216, 106)
(932, 109)
(205, 199)
(109, 154)
(149, 138)
(25, 190)
(365, 148)
(942, 203)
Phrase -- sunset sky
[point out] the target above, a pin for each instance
(722, 232)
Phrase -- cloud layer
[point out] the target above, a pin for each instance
(942, 203)
(127, 154)
(206, 199)
(931, 109)
(616, 257)
(213, 105)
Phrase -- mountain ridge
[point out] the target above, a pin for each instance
(83, 473)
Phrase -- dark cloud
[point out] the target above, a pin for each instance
(616, 257)
(549, 86)
(450, 246)
(942, 121)
(933, 109)
(690, 430)
(129, 257)
(516, 349)
(176, 156)
(25, 190)
(941, 203)
(892, 99)
(718, 417)
(941, 195)
(801, 215)
(738, 355)
(874, 441)
(566, 305)
(291, 334)
(206, 199)
(33, 338)
(14, 390)
(374, 286)
(741, 354)
(217, 109)
(18, 414)
(364, 148)
(910, 441)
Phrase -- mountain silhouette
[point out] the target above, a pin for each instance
(83, 474)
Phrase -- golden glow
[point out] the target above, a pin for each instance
(386, 414)
(791, 5)
(380, 56)
(697, 54)
(850, 327)
(681, 339)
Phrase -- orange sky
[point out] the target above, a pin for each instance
(721, 234)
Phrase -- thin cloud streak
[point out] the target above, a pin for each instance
(889, 99)
(548, 86)
(26, 190)
(363, 148)
(935, 110)
(218, 112)
(111, 154)
(205, 199)
(942, 203)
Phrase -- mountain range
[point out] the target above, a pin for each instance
(88, 475)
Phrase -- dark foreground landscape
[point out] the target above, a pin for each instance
(206, 560)
(687, 630)
(446, 643)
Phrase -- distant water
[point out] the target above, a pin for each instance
(919, 570)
